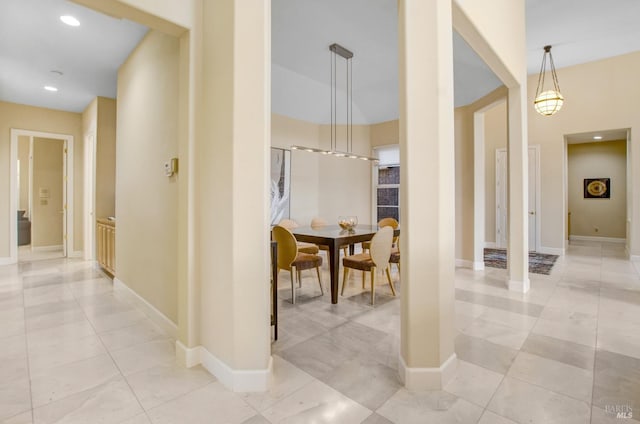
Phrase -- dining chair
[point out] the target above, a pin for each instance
(384, 222)
(395, 247)
(317, 223)
(376, 259)
(303, 247)
(292, 260)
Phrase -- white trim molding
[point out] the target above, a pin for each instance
(149, 310)
(519, 286)
(47, 248)
(416, 379)
(551, 250)
(633, 258)
(474, 265)
(76, 254)
(7, 260)
(595, 238)
(241, 381)
(237, 380)
(491, 245)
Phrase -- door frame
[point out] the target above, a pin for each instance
(67, 189)
(536, 152)
(90, 147)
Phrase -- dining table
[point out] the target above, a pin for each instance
(335, 238)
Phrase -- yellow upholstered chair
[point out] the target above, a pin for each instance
(303, 247)
(290, 258)
(377, 258)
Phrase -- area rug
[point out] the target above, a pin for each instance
(539, 263)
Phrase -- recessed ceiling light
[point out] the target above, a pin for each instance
(70, 20)
(597, 137)
(50, 88)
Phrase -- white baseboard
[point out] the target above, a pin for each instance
(478, 265)
(594, 238)
(463, 263)
(490, 245)
(634, 258)
(519, 286)
(76, 254)
(418, 379)
(187, 356)
(46, 248)
(7, 260)
(150, 311)
(237, 380)
(551, 250)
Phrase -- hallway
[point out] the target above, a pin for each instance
(567, 351)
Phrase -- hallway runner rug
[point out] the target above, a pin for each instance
(539, 263)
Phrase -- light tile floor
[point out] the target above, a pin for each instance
(566, 352)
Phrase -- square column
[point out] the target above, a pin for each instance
(518, 173)
(231, 191)
(427, 358)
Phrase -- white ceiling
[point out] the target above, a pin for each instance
(34, 42)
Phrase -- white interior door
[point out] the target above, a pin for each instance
(90, 197)
(502, 197)
(533, 193)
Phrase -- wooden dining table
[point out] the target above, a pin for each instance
(335, 237)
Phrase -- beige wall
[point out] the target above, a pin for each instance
(106, 158)
(598, 95)
(46, 218)
(46, 120)
(598, 160)
(146, 207)
(24, 150)
(325, 186)
(385, 133)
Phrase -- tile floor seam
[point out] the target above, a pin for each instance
(26, 346)
(114, 362)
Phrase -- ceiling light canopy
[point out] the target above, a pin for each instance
(338, 50)
(548, 102)
(70, 20)
(597, 137)
(50, 88)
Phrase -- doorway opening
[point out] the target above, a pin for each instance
(597, 184)
(41, 202)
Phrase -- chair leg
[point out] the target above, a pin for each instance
(393, 290)
(364, 274)
(319, 280)
(300, 279)
(373, 285)
(344, 280)
(293, 286)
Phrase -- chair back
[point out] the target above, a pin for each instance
(289, 224)
(287, 246)
(380, 249)
(318, 223)
(388, 222)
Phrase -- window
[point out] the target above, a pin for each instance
(387, 183)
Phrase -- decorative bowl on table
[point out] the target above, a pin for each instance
(348, 222)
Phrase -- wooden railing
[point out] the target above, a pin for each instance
(106, 245)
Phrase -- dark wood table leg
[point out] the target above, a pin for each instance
(334, 270)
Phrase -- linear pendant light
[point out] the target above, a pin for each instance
(338, 50)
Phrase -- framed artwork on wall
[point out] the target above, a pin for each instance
(597, 188)
(280, 184)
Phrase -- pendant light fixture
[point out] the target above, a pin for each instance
(550, 101)
(337, 50)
